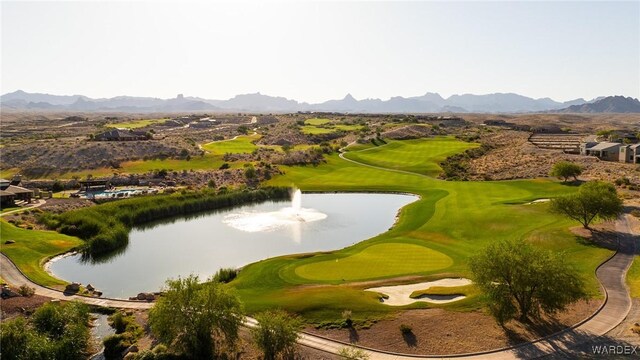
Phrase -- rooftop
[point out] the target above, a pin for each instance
(604, 146)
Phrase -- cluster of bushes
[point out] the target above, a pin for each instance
(456, 167)
(106, 227)
(194, 320)
(626, 183)
(225, 275)
(55, 331)
(127, 333)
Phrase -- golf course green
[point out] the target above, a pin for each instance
(433, 237)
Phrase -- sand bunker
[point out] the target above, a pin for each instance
(538, 201)
(399, 295)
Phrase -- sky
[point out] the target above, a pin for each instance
(316, 51)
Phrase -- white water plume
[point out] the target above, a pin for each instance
(291, 216)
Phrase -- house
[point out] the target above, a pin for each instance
(608, 151)
(121, 135)
(630, 154)
(10, 193)
(603, 150)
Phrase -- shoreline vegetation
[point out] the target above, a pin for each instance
(106, 227)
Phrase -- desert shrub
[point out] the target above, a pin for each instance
(623, 181)
(350, 353)
(26, 290)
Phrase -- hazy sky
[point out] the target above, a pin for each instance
(319, 51)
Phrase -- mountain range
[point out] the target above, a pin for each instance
(427, 103)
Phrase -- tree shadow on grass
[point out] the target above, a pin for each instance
(410, 338)
(573, 183)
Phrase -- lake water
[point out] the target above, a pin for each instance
(206, 242)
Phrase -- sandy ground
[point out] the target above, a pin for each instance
(401, 294)
(439, 331)
(21, 305)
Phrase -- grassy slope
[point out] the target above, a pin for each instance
(33, 247)
(239, 145)
(453, 218)
(412, 155)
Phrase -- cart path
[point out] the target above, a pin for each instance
(614, 310)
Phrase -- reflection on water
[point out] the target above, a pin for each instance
(201, 244)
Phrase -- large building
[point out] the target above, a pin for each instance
(10, 193)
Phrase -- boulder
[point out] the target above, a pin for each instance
(90, 287)
(10, 242)
(97, 293)
(146, 296)
(129, 351)
(73, 287)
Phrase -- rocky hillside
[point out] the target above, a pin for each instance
(609, 104)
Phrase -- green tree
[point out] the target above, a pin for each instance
(522, 280)
(194, 318)
(54, 332)
(243, 130)
(276, 333)
(565, 170)
(594, 199)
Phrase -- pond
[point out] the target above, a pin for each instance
(206, 242)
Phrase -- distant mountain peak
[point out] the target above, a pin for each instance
(348, 97)
(609, 104)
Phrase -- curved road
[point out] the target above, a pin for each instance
(613, 311)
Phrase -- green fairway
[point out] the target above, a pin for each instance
(382, 260)
(325, 126)
(136, 124)
(317, 121)
(418, 156)
(239, 145)
(32, 248)
(451, 222)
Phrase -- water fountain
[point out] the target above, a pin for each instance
(266, 221)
